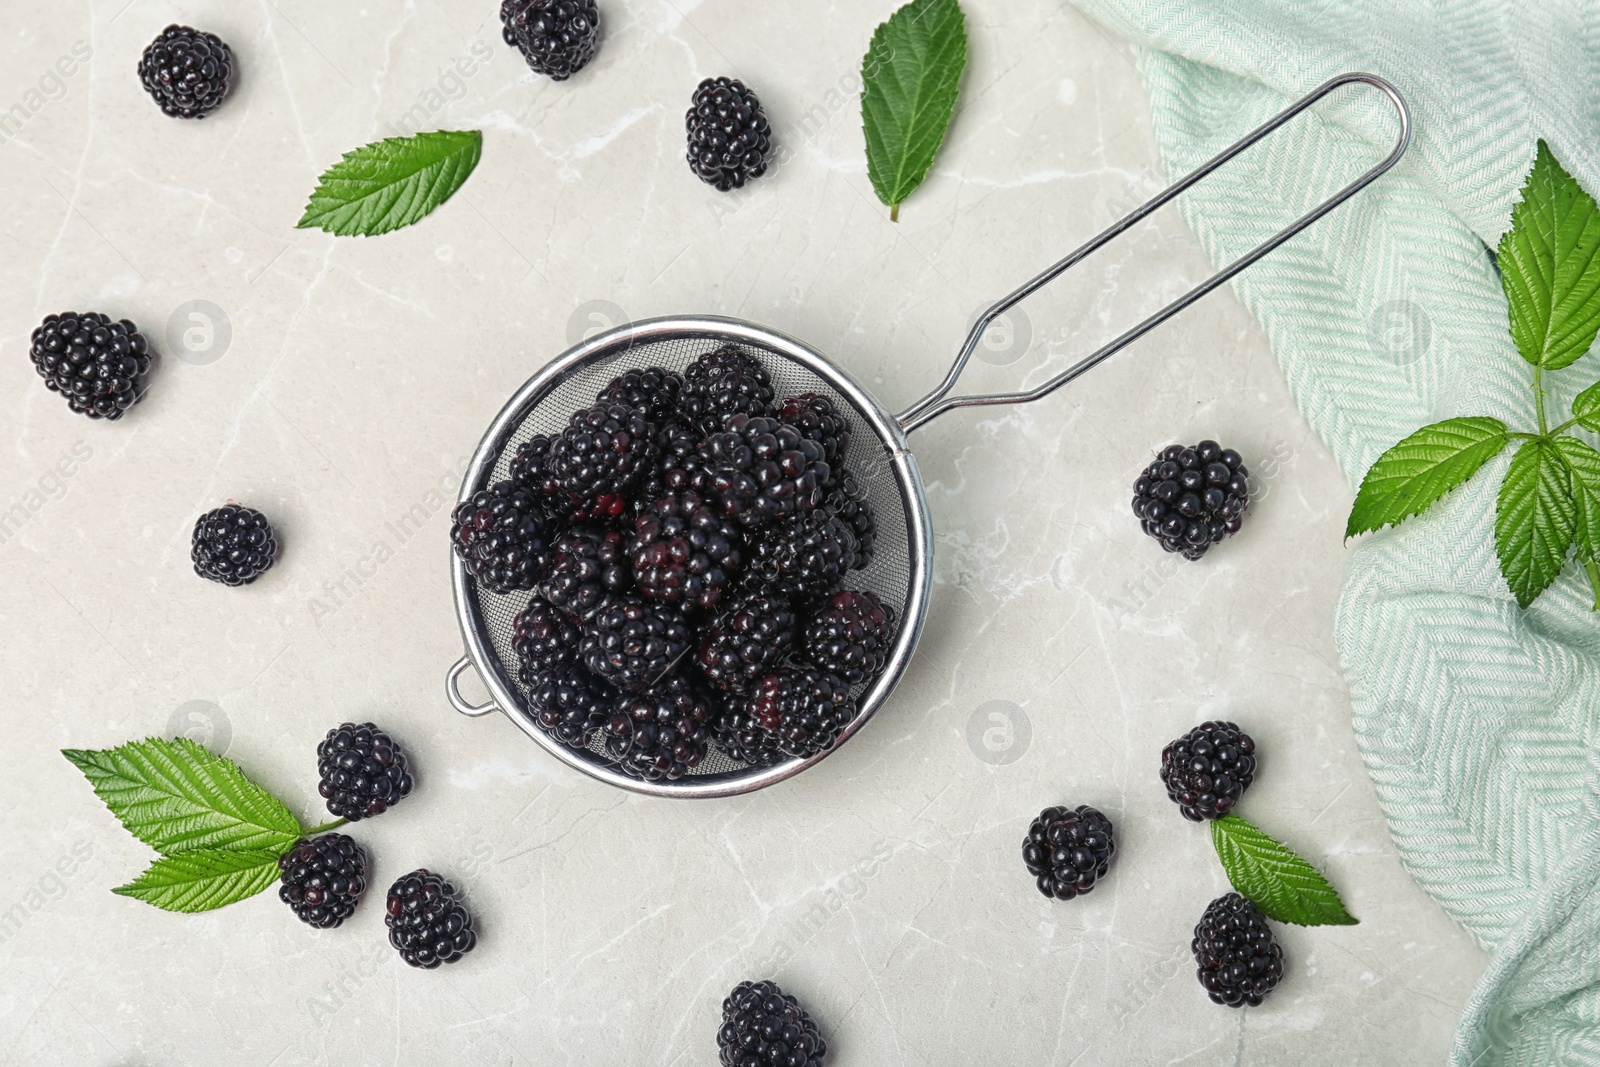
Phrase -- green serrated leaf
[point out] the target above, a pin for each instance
(203, 880)
(910, 79)
(1280, 883)
(1583, 467)
(1411, 476)
(1535, 520)
(176, 797)
(1550, 266)
(1586, 407)
(392, 183)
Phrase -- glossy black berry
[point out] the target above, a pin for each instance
(685, 552)
(556, 37)
(323, 879)
(588, 564)
(651, 391)
(1208, 769)
(233, 545)
(1068, 850)
(187, 71)
(819, 419)
(748, 641)
(1238, 961)
(428, 921)
(530, 470)
(761, 470)
(764, 1027)
(634, 644)
(363, 772)
(663, 732)
(98, 366)
(500, 535)
(851, 636)
(595, 461)
(804, 708)
(721, 384)
(570, 704)
(729, 136)
(805, 556)
(545, 639)
(736, 732)
(1191, 498)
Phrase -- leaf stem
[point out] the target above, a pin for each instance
(1564, 427)
(894, 212)
(1592, 569)
(1538, 399)
(325, 827)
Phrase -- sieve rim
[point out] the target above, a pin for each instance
(901, 464)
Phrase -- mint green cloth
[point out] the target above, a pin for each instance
(1477, 721)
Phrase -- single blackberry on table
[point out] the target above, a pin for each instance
(851, 636)
(233, 545)
(545, 639)
(729, 136)
(323, 879)
(764, 1027)
(721, 384)
(1239, 962)
(634, 644)
(818, 419)
(362, 771)
(748, 641)
(1191, 498)
(98, 366)
(588, 563)
(1068, 850)
(848, 499)
(685, 552)
(428, 922)
(804, 556)
(762, 470)
(663, 732)
(556, 37)
(652, 391)
(805, 709)
(1208, 769)
(500, 535)
(596, 460)
(187, 71)
(570, 704)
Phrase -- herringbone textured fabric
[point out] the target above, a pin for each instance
(1477, 721)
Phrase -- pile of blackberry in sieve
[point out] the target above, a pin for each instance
(689, 542)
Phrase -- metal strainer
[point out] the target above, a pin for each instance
(900, 572)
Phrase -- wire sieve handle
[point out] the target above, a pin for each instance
(452, 690)
(939, 401)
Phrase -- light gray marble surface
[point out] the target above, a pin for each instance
(885, 887)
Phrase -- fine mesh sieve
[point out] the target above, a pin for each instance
(900, 570)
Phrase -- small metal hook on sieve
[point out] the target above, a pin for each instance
(939, 401)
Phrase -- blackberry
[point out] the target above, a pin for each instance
(363, 773)
(851, 636)
(97, 365)
(747, 641)
(500, 535)
(819, 420)
(764, 1027)
(1068, 850)
(587, 564)
(653, 392)
(848, 499)
(761, 470)
(570, 704)
(1191, 498)
(233, 545)
(556, 37)
(805, 556)
(597, 458)
(677, 446)
(804, 709)
(663, 732)
(729, 136)
(530, 469)
(1208, 769)
(1238, 960)
(685, 552)
(428, 922)
(738, 735)
(545, 639)
(633, 644)
(187, 71)
(721, 384)
(323, 879)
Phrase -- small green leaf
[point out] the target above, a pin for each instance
(910, 79)
(1583, 464)
(1535, 520)
(203, 880)
(176, 797)
(1280, 883)
(1586, 407)
(1550, 266)
(392, 183)
(1407, 479)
